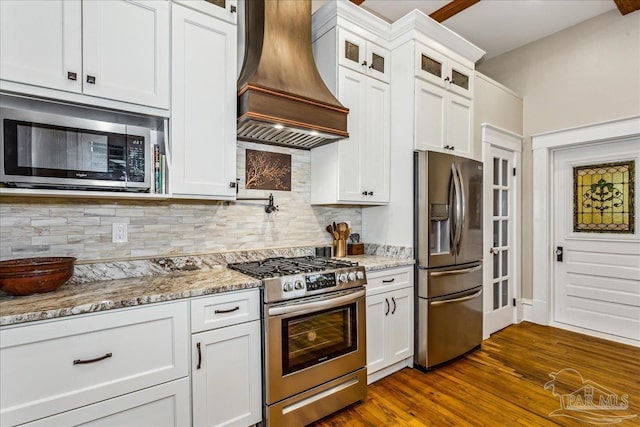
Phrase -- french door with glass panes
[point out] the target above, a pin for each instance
(499, 289)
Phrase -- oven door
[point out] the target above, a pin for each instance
(312, 341)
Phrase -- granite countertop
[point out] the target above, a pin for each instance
(78, 298)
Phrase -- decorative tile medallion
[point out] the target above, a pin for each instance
(268, 171)
(603, 198)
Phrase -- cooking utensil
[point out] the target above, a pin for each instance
(26, 276)
(330, 229)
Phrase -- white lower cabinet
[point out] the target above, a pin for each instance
(130, 367)
(47, 368)
(165, 405)
(389, 321)
(226, 363)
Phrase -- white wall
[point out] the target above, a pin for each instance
(585, 74)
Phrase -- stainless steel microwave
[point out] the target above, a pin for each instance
(43, 149)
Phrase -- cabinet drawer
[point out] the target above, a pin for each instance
(224, 310)
(166, 405)
(56, 366)
(388, 280)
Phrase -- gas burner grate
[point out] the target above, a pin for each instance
(280, 266)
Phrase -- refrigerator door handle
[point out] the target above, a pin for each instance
(455, 223)
(447, 301)
(462, 213)
(454, 272)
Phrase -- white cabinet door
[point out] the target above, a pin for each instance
(165, 405)
(431, 65)
(226, 376)
(461, 79)
(377, 62)
(363, 158)
(226, 10)
(401, 326)
(459, 124)
(429, 116)
(40, 43)
(377, 339)
(126, 51)
(376, 144)
(352, 90)
(203, 131)
(352, 51)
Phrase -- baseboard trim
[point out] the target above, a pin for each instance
(527, 309)
(384, 372)
(592, 333)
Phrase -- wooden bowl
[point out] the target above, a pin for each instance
(28, 276)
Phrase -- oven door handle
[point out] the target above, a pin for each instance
(316, 305)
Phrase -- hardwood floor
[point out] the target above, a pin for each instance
(503, 384)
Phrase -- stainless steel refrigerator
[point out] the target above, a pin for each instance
(448, 245)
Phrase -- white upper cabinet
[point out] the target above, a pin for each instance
(363, 166)
(364, 56)
(433, 81)
(356, 67)
(442, 71)
(443, 120)
(116, 50)
(203, 107)
(227, 10)
(41, 43)
(125, 51)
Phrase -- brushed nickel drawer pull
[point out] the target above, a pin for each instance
(231, 310)
(389, 281)
(97, 359)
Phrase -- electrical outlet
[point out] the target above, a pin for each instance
(119, 233)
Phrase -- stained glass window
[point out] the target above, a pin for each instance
(603, 198)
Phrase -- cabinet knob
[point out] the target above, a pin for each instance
(364, 63)
(371, 193)
(447, 79)
(91, 79)
(72, 76)
(364, 193)
(233, 9)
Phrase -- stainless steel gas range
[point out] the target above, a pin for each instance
(314, 336)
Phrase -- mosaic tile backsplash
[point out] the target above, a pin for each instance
(36, 226)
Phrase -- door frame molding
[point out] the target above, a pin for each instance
(508, 141)
(543, 146)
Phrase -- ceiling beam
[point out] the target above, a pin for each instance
(626, 6)
(457, 6)
(357, 2)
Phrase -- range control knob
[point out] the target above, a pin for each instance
(343, 278)
(352, 277)
(360, 275)
(287, 287)
(299, 284)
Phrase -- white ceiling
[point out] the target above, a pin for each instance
(498, 26)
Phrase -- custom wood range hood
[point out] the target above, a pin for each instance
(282, 99)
